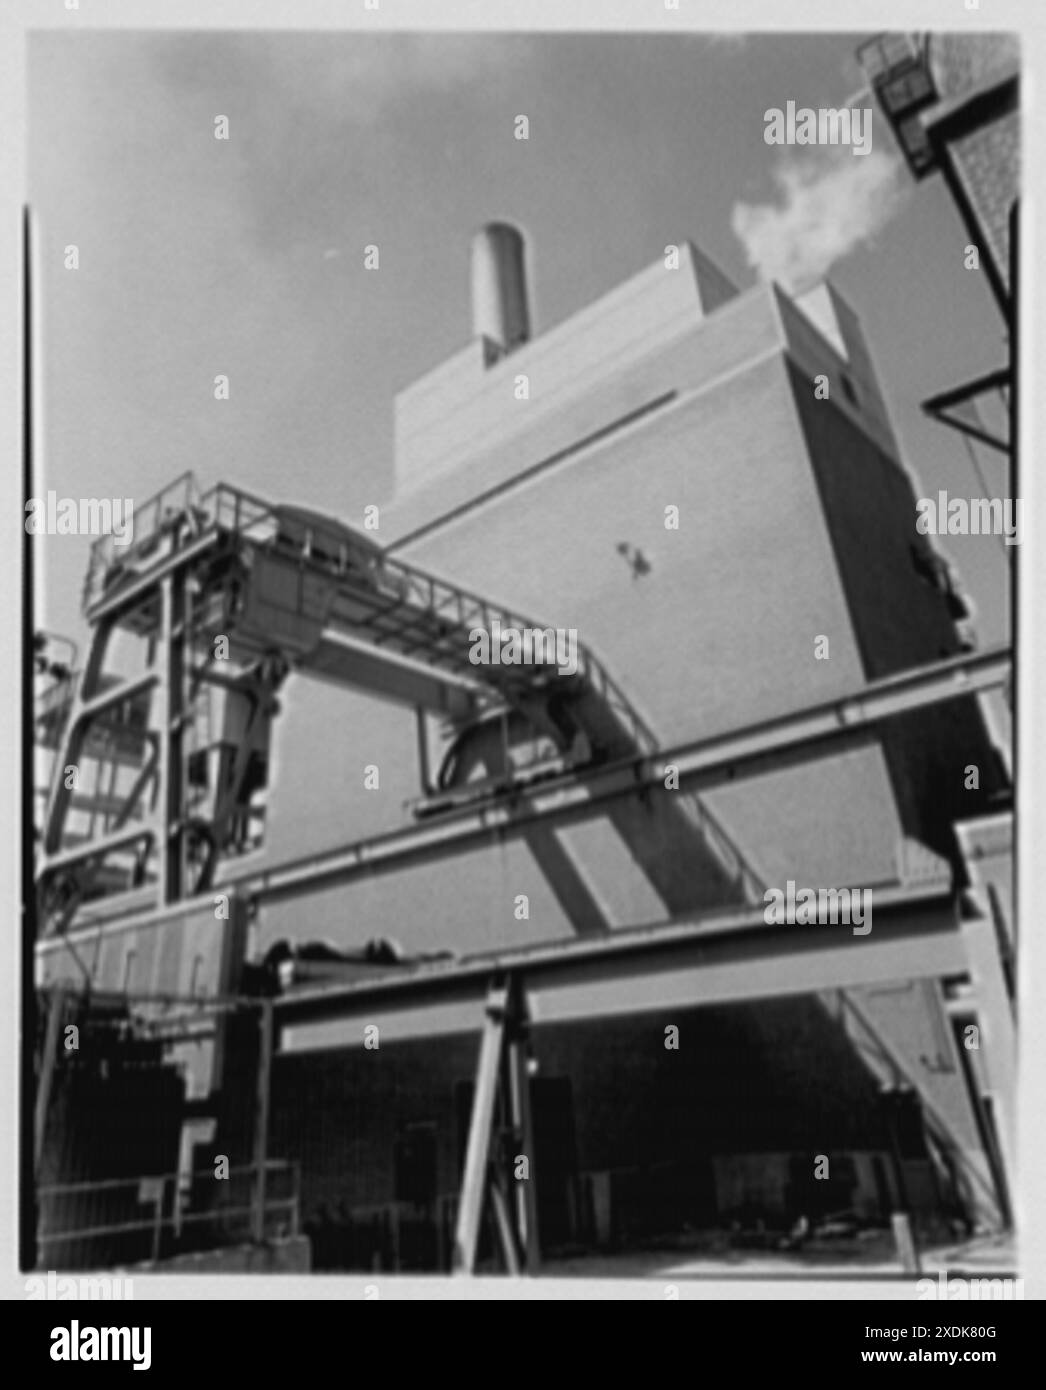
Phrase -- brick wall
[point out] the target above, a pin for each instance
(987, 163)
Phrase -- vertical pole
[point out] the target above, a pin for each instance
(503, 1222)
(172, 734)
(29, 1216)
(261, 1118)
(987, 1129)
(158, 1217)
(900, 1218)
(439, 1215)
(114, 771)
(47, 1065)
(905, 1241)
(423, 753)
(522, 1124)
(477, 1156)
(97, 796)
(69, 750)
(998, 1032)
(890, 1096)
(1015, 483)
(177, 1199)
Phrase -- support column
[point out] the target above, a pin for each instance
(43, 1085)
(171, 657)
(69, 749)
(424, 768)
(496, 1135)
(477, 1156)
(522, 1124)
(998, 1031)
(261, 1119)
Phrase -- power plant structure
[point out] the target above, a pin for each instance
(531, 1003)
(953, 104)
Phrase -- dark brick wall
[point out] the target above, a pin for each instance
(775, 1076)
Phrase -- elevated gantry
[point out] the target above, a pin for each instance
(227, 595)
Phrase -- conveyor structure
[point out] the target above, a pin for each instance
(228, 595)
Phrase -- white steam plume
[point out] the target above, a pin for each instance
(827, 207)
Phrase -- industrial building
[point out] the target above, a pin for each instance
(952, 101)
(531, 1007)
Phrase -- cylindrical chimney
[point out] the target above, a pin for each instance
(499, 286)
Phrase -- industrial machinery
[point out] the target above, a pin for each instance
(228, 595)
(148, 878)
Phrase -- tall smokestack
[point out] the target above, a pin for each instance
(499, 287)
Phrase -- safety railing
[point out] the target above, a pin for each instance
(412, 591)
(179, 503)
(468, 611)
(412, 602)
(751, 882)
(882, 55)
(139, 1219)
(175, 500)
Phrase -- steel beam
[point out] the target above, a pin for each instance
(115, 695)
(937, 1121)
(762, 965)
(503, 1224)
(997, 1027)
(477, 1156)
(701, 959)
(111, 607)
(69, 748)
(702, 765)
(903, 913)
(172, 719)
(47, 1066)
(337, 658)
(261, 1118)
(94, 849)
(522, 1124)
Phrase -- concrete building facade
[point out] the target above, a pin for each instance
(537, 476)
(704, 485)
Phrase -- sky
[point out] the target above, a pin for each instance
(245, 257)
